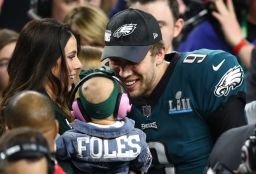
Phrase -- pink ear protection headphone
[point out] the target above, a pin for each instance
(122, 107)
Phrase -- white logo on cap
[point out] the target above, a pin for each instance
(124, 30)
(155, 35)
(107, 35)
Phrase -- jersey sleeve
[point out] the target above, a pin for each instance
(217, 85)
(215, 76)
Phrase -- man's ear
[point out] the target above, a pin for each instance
(160, 56)
(178, 26)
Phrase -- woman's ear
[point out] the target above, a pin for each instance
(178, 26)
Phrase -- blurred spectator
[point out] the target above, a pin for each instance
(235, 37)
(182, 7)
(59, 8)
(25, 151)
(167, 14)
(191, 12)
(108, 5)
(90, 58)
(8, 40)
(227, 149)
(90, 22)
(26, 10)
(250, 107)
(222, 30)
(33, 109)
(56, 9)
(251, 92)
(105, 5)
(45, 60)
(94, 2)
(119, 6)
(14, 14)
(1, 4)
(233, 33)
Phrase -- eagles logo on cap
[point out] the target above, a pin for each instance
(124, 30)
(130, 34)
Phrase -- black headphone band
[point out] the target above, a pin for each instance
(35, 149)
(28, 150)
(95, 74)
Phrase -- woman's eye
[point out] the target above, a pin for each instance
(71, 55)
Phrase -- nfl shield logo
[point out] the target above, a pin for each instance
(146, 110)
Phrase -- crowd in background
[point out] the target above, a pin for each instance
(48, 46)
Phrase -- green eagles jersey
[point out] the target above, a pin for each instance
(176, 127)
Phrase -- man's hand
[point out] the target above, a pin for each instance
(225, 14)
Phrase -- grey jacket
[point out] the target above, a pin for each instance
(94, 149)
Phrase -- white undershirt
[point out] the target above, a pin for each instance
(117, 124)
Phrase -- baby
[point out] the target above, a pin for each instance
(104, 144)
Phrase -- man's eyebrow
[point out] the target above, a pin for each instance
(161, 22)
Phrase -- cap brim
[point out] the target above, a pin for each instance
(131, 53)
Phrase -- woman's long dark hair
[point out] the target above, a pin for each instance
(38, 48)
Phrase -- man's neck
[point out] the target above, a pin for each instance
(168, 51)
(161, 71)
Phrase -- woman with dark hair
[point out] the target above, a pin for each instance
(45, 60)
(8, 40)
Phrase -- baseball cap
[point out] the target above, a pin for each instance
(130, 34)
